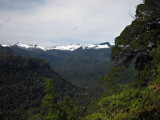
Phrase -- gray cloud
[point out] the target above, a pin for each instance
(19, 4)
(64, 21)
(76, 28)
(3, 23)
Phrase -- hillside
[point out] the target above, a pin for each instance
(81, 66)
(137, 45)
(21, 83)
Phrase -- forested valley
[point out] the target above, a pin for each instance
(30, 89)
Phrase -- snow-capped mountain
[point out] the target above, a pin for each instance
(70, 47)
(21, 45)
(6, 45)
(95, 46)
(73, 47)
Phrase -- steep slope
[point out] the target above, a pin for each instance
(138, 43)
(21, 84)
(83, 68)
(80, 65)
(54, 59)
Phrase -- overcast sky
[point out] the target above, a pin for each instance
(52, 22)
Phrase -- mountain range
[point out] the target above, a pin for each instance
(22, 85)
(70, 47)
(74, 69)
(80, 65)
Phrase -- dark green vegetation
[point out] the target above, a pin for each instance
(138, 45)
(136, 53)
(21, 85)
(54, 109)
(81, 67)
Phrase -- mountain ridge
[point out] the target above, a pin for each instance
(80, 67)
(70, 47)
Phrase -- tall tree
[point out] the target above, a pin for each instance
(54, 108)
(140, 43)
(139, 38)
(49, 102)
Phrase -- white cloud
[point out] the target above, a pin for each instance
(67, 21)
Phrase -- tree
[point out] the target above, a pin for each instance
(49, 102)
(139, 38)
(68, 111)
(54, 108)
(112, 79)
(138, 43)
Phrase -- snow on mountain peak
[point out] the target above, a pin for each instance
(70, 47)
(95, 46)
(24, 45)
(73, 47)
(29, 46)
(6, 45)
(40, 47)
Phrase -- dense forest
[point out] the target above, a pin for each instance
(81, 67)
(31, 90)
(139, 46)
(22, 85)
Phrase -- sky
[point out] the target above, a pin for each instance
(62, 22)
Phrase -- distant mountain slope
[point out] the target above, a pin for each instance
(54, 59)
(81, 66)
(21, 84)
(70, 47)
(73, 47)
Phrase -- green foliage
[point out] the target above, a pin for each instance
(139, 44)
(80, 67)
(22, 95)
(95, 116)
(92, 107)
(54, 109)
(21, 85)
(83, 72)
(113, 76)
(49, 100)
(139, 102)
(133, 104)
(68, 110)
(139, 38)
(112, 80)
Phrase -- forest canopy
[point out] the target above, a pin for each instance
(138, 46)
